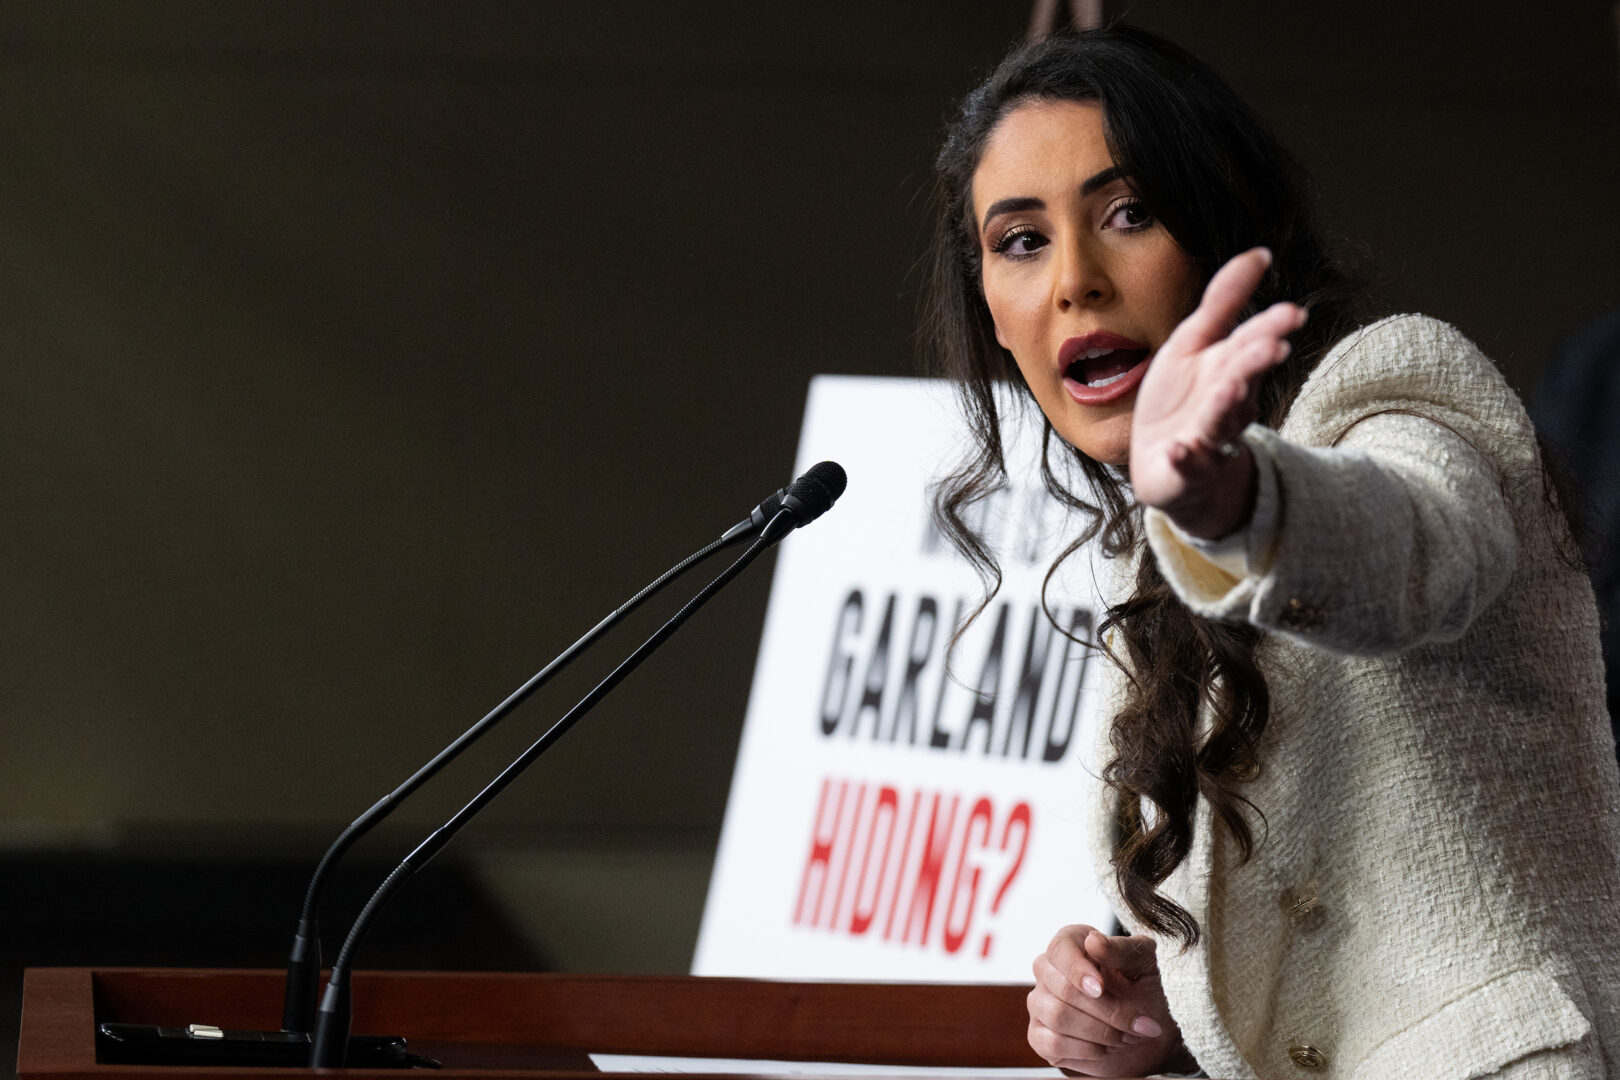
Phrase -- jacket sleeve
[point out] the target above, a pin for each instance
(1567, 1063)
(1395, 480)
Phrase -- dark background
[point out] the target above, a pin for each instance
(355, 358)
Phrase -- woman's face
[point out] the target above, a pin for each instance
(1083, 283)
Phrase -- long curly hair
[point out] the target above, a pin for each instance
(1220, 183)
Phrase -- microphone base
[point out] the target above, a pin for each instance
(329, 1042)
(303, 979)
(203, 1044)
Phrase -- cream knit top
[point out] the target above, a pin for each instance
(1434, 889)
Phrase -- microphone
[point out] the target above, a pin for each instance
(304, 961)
(806, 499)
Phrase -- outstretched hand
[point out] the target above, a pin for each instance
(1098, 1009)
(1197, 397)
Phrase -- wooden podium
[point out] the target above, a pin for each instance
(500, 1024)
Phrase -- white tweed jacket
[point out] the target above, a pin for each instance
(1434, 891)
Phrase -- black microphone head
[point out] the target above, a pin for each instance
(817, 490)
(768, 507)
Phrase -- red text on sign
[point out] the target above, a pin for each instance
(923, 869)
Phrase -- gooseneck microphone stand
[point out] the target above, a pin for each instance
(332, 1021)
(304, 963)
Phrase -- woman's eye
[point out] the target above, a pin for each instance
(1020, 240)
(1128, 216)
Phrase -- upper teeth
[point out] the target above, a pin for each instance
(1092, 354)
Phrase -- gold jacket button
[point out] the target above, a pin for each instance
(1306, 1057)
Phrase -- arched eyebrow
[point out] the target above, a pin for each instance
(1020, 203)
(1017, 204)
(1102, 179)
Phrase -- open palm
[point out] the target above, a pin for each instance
(1197, 397)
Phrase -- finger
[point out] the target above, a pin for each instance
(1224, 299)
(1107, 1008)
(1073, 1020)
(1076, 933)
(1278, 320)
(1223, 414)
(1261, 356)
(1070, 1009)
(1229, 435)
(1132, 957)
(1188, 459)
(1226, 405)
(1071, 967)
(1217, 417)
(1064, 1051)
(1249, 351)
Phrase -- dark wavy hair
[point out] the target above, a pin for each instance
(1220, 183)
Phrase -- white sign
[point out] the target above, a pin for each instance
(893, 815)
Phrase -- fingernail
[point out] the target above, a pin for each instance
(1265, 253)
(1146, 1025)
(1130, 1040)
(1091, 986)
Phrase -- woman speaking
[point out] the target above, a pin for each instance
(1356, 795)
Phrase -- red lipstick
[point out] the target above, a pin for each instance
(1101, 367)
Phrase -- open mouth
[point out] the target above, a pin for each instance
(1100, 368)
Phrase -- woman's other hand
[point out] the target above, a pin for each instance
(1097, 1008)
(1187, 457)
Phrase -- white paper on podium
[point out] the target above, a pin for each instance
(889, 819)
(642, 1063)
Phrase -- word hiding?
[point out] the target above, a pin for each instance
(885, 865)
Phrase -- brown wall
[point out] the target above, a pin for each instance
(356, 358)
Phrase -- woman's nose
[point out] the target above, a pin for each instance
(1082, 279)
